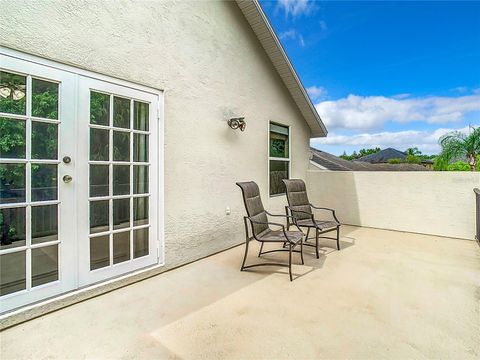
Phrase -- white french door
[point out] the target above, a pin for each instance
(37, 250)
(79, 179)
(118, 217)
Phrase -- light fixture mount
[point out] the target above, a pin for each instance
(237, 123)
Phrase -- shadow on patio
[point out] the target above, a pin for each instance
(386, 294)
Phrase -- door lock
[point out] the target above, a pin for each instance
(67, 178)
(67, 159)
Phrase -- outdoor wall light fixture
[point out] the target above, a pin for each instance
(12, 92)
(237, 123)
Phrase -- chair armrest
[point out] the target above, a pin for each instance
(271, 223)
(324, 208)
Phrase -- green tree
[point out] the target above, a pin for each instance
(456, 145)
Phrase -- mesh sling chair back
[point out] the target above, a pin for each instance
(261, 231)
(301, 211)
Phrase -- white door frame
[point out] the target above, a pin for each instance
(73, 223)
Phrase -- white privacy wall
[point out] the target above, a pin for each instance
(437, 203)
(211, 66)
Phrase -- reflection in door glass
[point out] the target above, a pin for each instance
(12, 183)
(13, 99)
(44, 265)
(44, 99)
(13, 276)
(44, 182)
(44, 140)
(12, 138)
(12, 227)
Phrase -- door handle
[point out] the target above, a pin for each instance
(67, 179)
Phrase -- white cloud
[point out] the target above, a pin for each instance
(371, 112)
(317, 92)
(302, 42)
(426, 141)
(323, 25)
(296, 8)
(292, 34)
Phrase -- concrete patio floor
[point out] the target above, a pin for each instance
(386, 294)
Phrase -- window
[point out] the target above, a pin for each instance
(279, 158)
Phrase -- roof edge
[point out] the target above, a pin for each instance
(316, 131)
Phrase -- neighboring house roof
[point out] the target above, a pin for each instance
(383, 156)
(335, 163)
(269, 40)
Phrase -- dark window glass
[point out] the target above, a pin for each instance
(279, 141)
(278, 172)
(44, 99)
(12, 138)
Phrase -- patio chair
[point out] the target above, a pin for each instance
(301, 211)
(261, 231)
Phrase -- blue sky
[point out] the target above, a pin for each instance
(384, 73)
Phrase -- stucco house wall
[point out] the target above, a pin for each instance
(210, 65)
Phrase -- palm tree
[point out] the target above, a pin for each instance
(456, 145)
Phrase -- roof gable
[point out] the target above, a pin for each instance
(258, 21)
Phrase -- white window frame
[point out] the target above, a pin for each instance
(75, 74)
(289, 159)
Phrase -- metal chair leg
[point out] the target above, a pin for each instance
(301, 252)
(290, 261)
(308, 232)
(338, 238)
(245, 256)
(316, 243)
(261, 248)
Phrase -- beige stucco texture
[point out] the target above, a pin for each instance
(211, 66)
(428, 202)
(386, 294)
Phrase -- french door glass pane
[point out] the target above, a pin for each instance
(140, 242)
(121, 112)
(13, 93)
(140, 148)
(99, 216)
(44, 140)
(140, 117)
(140, 211)
(44, 99)
(13, 276)
(12, 138)
(44, 265)
(99, 143)
(121, 247)
(99, 180)
(12, 227)
(99, 252)
(44, 182)
(121, 146)
(99, 108)
(121, 213)
(44, 223)
(121, 180)
(12, 183)
(140, 179)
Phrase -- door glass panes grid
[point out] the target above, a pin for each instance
(29, 202)
(118, 179)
